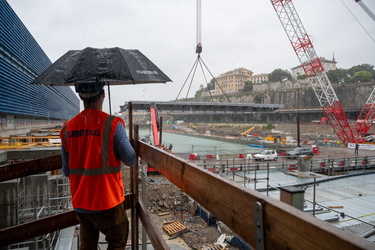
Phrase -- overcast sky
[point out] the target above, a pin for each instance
(235, 33)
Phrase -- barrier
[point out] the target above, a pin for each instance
(213, 170)
(292, 167)
(315, 149)
(192, 157)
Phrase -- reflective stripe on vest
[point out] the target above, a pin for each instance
(105, 169)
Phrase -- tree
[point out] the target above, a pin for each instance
(248, 86)
(199, 93)
(362, 76)
(338, 76)
(278, 75)
(301, 77)
(211, 84)
(269, 125)
(362, 67)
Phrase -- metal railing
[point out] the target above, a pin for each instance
(259, 220)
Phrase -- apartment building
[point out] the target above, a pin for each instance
(232, 81)
(259, 78)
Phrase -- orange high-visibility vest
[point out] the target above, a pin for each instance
(94, 172)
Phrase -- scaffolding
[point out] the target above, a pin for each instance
(39, 196)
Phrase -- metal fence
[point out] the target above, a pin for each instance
(328, 166)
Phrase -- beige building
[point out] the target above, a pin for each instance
(327, 65)
(259, 78)
(232, 81)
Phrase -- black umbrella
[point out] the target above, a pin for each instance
(113, 66)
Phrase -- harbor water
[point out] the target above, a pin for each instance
(183, 144)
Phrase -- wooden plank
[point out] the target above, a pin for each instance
(153, 232)
(26, 168)
(285, 226)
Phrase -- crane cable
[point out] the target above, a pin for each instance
(358, 21)
(366, 9)
(199, 60)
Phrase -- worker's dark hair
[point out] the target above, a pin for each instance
(89, 91)
(92, 99)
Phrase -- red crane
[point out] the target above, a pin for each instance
(318, 78)
(155, 127)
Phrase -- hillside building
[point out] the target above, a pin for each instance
(327, 64)
(259, 78)
(232, 81)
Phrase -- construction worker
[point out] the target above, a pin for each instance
(356, 147)
(94, 145)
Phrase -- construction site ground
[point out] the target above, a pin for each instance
(163, 195)
(168, 204)
(308, 131)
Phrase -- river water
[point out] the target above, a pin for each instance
(183, 143)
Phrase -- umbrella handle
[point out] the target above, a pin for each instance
(109, 99)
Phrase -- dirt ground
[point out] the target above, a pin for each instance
(307, 131)
(167, 204)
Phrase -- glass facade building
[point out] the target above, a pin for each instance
(21, 60)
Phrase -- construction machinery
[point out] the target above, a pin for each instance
(191, 125)
(246, 133)
(366, 9)
(318, 78)
(155, 127)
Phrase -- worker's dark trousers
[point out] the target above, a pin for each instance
(113, 223)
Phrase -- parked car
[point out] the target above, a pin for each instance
(299, 151)
(266, 155)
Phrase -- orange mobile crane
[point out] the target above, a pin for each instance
(318, 78)
(155, 127)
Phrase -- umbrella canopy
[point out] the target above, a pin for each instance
(113, 66)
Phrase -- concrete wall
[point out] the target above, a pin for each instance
(294, 95)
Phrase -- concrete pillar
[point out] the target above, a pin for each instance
(303, 164)
(293, 196)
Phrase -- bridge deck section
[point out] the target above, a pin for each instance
(204, 107)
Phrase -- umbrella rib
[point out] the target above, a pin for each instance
(123, 59)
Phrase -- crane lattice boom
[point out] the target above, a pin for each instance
(313, 68)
